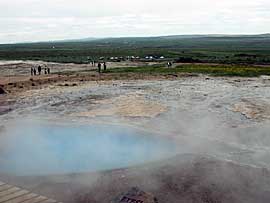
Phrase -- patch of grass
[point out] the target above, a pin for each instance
(226, 70)
(213, 70)
(157, 68)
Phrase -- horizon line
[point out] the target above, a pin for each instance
(119, 37)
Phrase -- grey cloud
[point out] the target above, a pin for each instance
(25, 20)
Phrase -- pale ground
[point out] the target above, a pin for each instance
(234, 112)
(22, 68)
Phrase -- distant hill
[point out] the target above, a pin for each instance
(77, 40)
(252, 49)
(142, 39)
(265, 35)
(169, 37)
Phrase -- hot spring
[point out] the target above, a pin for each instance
(62, 149)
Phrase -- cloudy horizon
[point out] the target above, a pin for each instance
(36, 20)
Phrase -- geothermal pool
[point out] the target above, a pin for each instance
(62, 149)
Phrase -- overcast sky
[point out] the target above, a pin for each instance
(42, 20)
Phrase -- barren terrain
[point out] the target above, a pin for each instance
(221, 125)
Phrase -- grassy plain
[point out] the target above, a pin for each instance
(213, 70)
(253, 49)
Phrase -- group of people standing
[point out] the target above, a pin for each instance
(35, 71)
(104, 67)
(99, 65)
(169, 64)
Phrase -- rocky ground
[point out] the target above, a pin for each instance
(221, 126)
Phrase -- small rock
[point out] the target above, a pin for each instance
(135, 195)
(2, 91)
(174, 75)
(4, 110)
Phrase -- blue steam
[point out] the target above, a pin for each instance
(57, 149)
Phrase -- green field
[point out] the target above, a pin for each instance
(212, 70)
(211, 49)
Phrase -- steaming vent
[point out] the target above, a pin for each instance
(63, 149)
